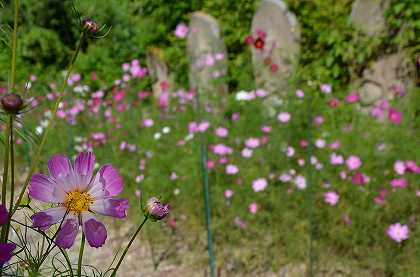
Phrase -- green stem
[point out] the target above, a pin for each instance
(66, 257)
(37, 155)
(12, 175)
(5, 176)
(310, 194)
(5, 228)
(5, 165)
(79, 263)
(14, 47)
(206, 192)
(114, 272)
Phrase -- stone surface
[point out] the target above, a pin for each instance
(158, 70)
(207, 53)
(368, 15)
(281, 45)
(385, 77)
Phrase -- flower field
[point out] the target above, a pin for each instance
(239, 178)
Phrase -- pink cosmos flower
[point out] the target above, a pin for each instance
(221, 149)
(261, 93)
(228, 193)
(223, 160)
(331, 197)
(378, 110)
(252, 143)
(253, 208)
(290, 151)
(222, 132)
(211, 164)
(164, 100)
(303, 143)
(398, 232)
(320, 143)
(318, 120)
(249, 40)
(301, 162)
(266, 129)
(78, 195)
(285, 178)
(284, 117)
(336, 159)
(259, 184)
(299, 93)
(394, 116)
(359, 178)
(181, 30)
(353, 162)
(235, 116)
(203, 126)
(412, 166)
(399, 183)
(326, 88)
(232, 169)
(300, 182)
(209, 60)
(352, 98)
(399, 167)
(148, 122)
(335, 145)
(246, 153)
(381, 197)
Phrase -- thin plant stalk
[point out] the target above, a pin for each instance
(206, 192)
(12, 175)
(5, 165)
(5, 228)
(79, 263)
(310, 194)
(51, 122)
(114, 272)
(14, 47)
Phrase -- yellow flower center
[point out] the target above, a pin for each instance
(77, 201)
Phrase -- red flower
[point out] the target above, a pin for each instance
(274, 68)
(333, 103)
(259, 43)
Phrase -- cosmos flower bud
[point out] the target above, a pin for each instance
(90, 25)
(12, 103)
(156, 210)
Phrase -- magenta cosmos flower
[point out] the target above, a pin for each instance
(6, 249)
(77, 196)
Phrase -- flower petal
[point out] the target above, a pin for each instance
(59, 166)
(107, 183)
(43, 188)
(68, 232)
(4, 215)
(83, 167)
(111, 207)
(94, 230)
(46, 218)
(6, 252)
